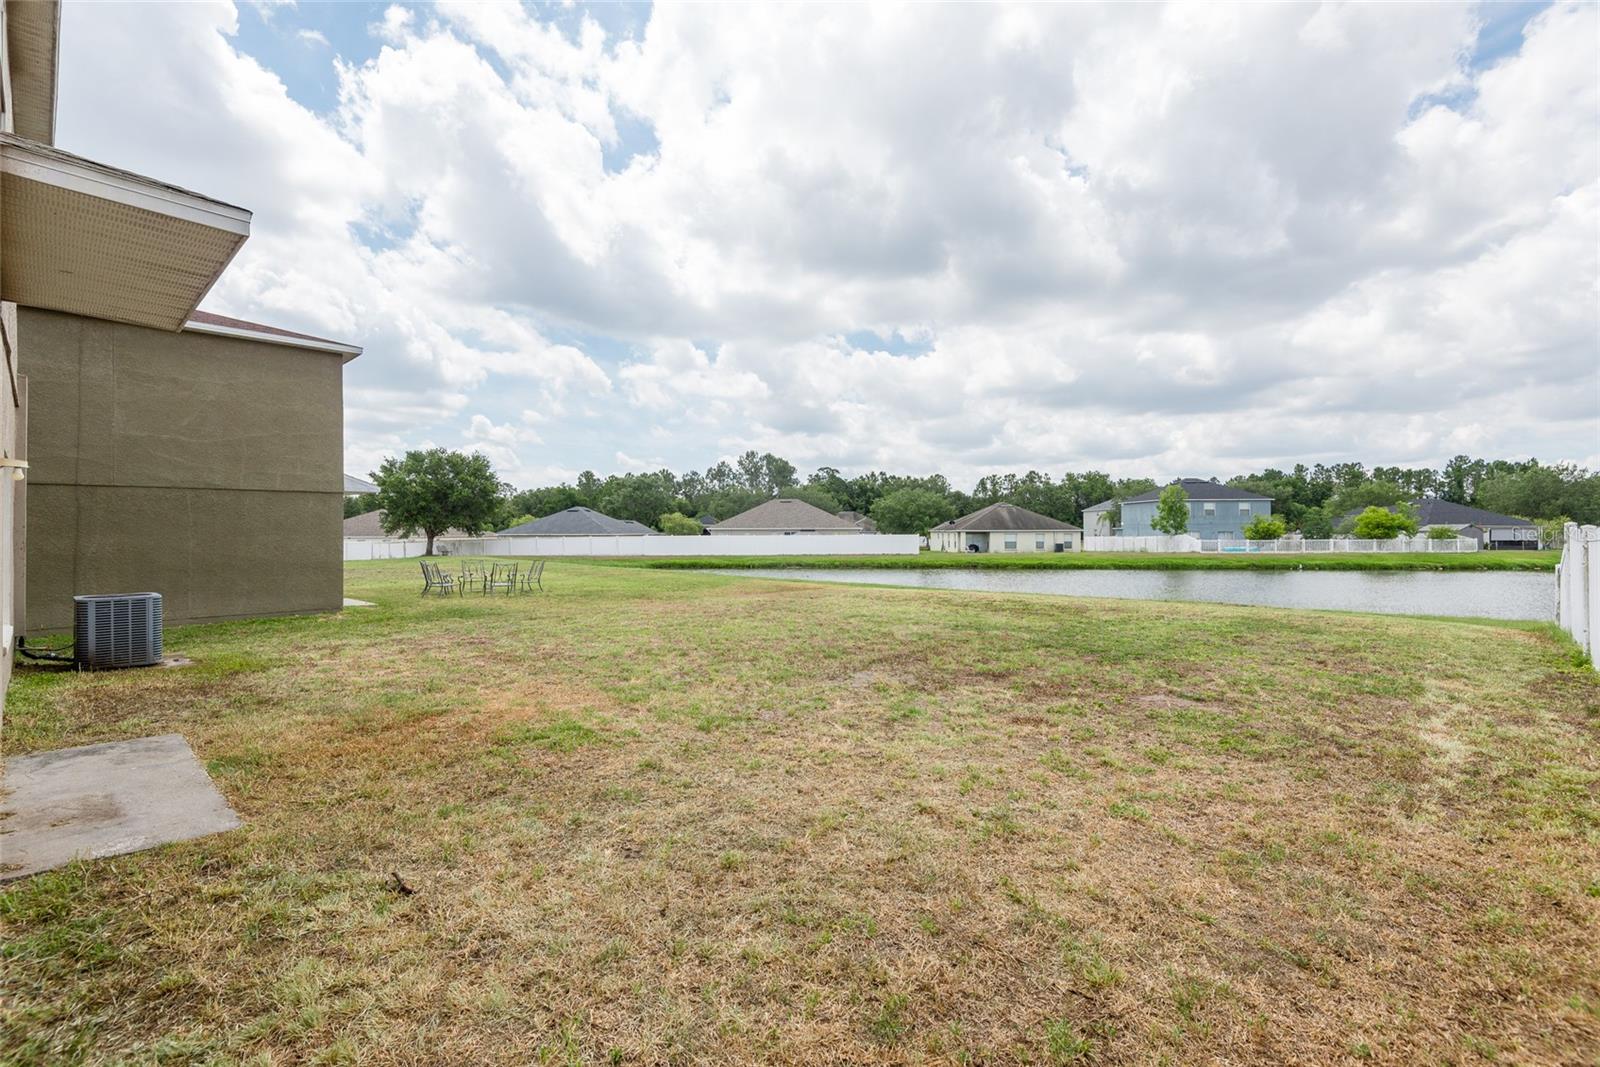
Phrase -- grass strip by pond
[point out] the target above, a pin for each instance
(1142, 561)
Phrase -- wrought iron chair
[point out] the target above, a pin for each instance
(472, 574)
(435, 580)
(501, 576)
(533, 576)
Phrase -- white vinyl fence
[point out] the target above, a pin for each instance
(1578, 586)
(1292, 545)
(358, 548)
(1179, 543)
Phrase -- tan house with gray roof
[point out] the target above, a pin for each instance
(1005, 528)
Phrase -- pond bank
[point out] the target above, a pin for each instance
(1511, 596)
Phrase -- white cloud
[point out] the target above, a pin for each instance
(1185, 239)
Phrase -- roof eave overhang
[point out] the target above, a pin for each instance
(92, 240)
(310, 344)
(33, 46)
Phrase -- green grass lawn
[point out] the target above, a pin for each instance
(1334, 561)
(666, 817)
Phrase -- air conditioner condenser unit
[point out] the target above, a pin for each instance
(117, 631)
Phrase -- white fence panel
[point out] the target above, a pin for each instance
(1578, 586)
(1190, 543)
(1158, 543)
(752, 545)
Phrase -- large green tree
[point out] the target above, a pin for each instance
(911, 510)
(640, 497)
(1172, 511)
(437, 490)
(1541, 492)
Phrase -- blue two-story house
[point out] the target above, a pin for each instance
(1214, 510)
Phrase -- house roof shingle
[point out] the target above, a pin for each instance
(370, 524)
(1432, 511)
(211, 322)
(352, 484)
(1005, 517)
(1199, 489)
(785, 513)
(578, 522)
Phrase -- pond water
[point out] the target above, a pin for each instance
(1482, 594)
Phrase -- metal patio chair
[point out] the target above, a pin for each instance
(533, 576)
(435, 580)
(501, 576)
(472, 574)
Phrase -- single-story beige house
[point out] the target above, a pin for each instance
(784, 516)
(1005, 528)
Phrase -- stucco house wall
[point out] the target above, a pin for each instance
(1017, 542)
(1208, 519)
(202, 467)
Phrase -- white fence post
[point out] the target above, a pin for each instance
(1578, 585)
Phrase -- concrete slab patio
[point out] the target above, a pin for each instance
(104, 800)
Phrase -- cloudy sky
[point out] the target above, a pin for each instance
(1190, 240)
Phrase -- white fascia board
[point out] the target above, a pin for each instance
(349, 352)
(52, 167)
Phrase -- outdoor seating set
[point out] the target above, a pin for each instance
(511, 577)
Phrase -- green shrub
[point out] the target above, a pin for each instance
(1265, 528)
(1381, 524)
(680, 525)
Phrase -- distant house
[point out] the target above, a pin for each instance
(1214, 510)
(1489, 529)
(579, 522)
(783, 516)
(354, 486)
(863, 522)
(370, 526)
(1005, 528)
(1097, 520)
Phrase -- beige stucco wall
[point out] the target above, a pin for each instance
(10, 416)
(1027, 541)
(204, 468)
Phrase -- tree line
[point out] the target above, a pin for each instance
(435, 490)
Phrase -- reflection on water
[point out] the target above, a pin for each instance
(1484, 594)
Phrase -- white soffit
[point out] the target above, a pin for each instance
(33, 43)
(87, 239)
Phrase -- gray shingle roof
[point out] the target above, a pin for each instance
(1200, 489)
(785, 513)
(578, 522)
(1434, 512)
(370, 524)
(352, 485)
(1005, 517)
